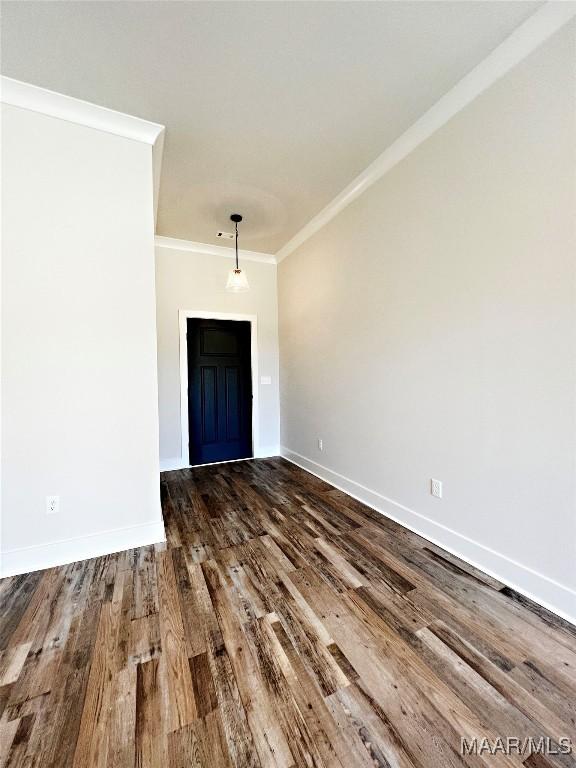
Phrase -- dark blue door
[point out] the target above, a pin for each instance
(219, 390)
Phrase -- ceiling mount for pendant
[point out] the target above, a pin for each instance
(237, 280)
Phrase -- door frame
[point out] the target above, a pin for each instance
(183, 316)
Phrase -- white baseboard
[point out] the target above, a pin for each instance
(169, 465)
(38, 557)
(550, 594)
(267, 452)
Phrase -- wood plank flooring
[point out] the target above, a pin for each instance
(283, 624)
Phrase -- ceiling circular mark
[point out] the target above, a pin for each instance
(263, 214)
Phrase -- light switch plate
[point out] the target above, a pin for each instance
(265, 379)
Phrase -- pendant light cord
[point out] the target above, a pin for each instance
(236, 223)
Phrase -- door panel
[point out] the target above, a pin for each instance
(233, 404)
(218, 341)
(209, 398)
(219, 390)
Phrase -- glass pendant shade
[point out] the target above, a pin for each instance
(237, 281)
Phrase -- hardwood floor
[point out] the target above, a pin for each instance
(283, 624)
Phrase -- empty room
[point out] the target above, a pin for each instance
(288, 384)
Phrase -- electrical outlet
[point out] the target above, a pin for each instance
(436, 488)
(52, 505)
(320, 444)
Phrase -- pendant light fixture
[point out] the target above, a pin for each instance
(237, 280)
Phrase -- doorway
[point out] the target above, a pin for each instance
(219, 391)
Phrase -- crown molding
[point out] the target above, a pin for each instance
(32, 97)
(157, 155)
(174, 244)
(27, 96)
(525, 39)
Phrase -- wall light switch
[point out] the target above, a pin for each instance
(436, 488)
(52, 504)
(320, 444)
(265, 379)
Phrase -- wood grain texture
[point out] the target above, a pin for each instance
(284, 624)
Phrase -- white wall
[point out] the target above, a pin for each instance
(79, 395)
(429, 330)
(196, 281)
